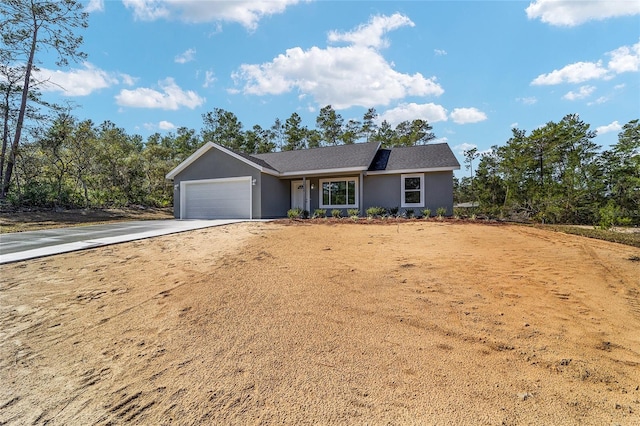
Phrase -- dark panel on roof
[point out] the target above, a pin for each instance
(357, 155)
(421, 157)
(380, 160)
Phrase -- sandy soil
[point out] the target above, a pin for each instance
(262, 323)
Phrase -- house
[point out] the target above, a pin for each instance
(216, 182)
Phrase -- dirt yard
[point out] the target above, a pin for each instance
(264, 323)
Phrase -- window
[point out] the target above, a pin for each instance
(412, 190)
(340, 192)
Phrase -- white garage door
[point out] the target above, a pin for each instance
(228, 198)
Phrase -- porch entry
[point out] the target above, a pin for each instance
(298, 191)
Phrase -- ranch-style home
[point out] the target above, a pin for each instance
(218, 183)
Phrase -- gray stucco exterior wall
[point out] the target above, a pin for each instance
(439, 191)
(276, 197)
(385, 191)
(215, 164)
(381, 191)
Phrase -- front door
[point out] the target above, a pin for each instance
(298, 195)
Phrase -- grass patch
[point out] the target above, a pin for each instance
(19, 220)
(627, 238)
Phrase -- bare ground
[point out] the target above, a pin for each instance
(261, 323)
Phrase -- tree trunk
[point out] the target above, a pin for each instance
(5, 141)
(23, 108)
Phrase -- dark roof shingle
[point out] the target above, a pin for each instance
(363, 156)
(354, 156)
(417, 157)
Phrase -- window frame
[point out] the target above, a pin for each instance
(403, 190)
(346, 180)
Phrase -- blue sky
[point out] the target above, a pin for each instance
(473, 69)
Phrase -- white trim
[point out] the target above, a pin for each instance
(407, 171)
(403, 190)
(361, 192)
(184, 183)
(206, 147)
(339, 206)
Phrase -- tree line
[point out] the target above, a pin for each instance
(224, 128)
(72, 163)
(557, 174)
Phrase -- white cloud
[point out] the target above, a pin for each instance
(245, 12)
(623, 59)
(528, 101)
(371, 34)
(613, 127)
(147, 10)
(341, 76)
(571, 13)
(209, 79)
(127, 79)
(582, 93)
(600, 100)
(461, 148)
(162, 125)
(574, 73)
(412, 111)
(439, 52)
(186, 56)
(77, 82)
(166, 125)
(172, 97)
(94, 6)
(467, 115)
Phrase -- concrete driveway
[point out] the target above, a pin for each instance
(18, 246)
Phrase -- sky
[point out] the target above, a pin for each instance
(473, 69)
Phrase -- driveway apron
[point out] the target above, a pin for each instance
(15, 247)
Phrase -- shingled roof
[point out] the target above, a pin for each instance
(359, 157)
(419, 157)
(355, 156)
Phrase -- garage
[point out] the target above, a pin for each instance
(228, 198)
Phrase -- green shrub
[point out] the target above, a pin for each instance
(320, 213)
(624, 221)
(375, 212)
(294, 213)
(393, 211)
(353, 212)
(608, 215)
(458, 212)
(337, 213)
(409, 213)
(441, 211)
(426, 213)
